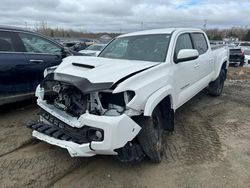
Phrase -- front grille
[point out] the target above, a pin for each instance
(61, 130)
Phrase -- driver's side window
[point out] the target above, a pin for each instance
(183, 42)
(36, 44)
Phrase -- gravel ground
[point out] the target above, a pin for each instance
(210, 147)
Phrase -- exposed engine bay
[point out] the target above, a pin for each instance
(85, 121)
(73, 101)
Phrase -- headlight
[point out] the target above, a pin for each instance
(128, 96)
(120, 99)
(114, 104)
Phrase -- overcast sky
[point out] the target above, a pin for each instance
(125, 15)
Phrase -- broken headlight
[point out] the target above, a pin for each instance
(128, 96)
(115, 103)
(119, 99)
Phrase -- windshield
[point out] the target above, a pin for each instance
(95, 47)
(144, 48)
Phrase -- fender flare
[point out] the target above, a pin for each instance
(157, 97)
(220, 67)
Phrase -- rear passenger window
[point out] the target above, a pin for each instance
(183, 42)
(6, 42)
(200, 42)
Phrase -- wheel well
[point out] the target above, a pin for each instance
(167, 113)
(224, 67)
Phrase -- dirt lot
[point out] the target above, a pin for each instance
(210, 147)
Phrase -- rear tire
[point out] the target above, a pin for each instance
(151, 135)
(215, 88)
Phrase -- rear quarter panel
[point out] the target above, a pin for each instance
(220, 56)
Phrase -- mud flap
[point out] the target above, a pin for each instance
(130, 153)
(169, 126)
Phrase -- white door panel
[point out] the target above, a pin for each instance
(184, 78)
(185, 75)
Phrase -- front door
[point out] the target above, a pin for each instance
(40, 54)
(185, 76)
(13, 78)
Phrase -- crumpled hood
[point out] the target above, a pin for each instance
(99, 70)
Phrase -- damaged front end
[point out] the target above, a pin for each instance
(86, 118)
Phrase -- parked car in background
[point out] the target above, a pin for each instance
(247, 56)
(217, 42)
(69, 44)
(245, 47)
(93, 50)
(236, 57)
(75, 45)
(231, 45)
(23, 57)
(87, 41)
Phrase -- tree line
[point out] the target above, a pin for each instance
(219, 34)
(213, 34)
(68, 33)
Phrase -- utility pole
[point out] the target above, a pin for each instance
(26, 25)
(205, 24)
(141, 25)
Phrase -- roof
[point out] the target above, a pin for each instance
(17, 29)
(10, 28)
(159, 31)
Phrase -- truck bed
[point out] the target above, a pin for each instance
(214, 47)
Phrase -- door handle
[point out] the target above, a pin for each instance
(36, 61)
(196, 65)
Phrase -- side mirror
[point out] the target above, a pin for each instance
(187, 55)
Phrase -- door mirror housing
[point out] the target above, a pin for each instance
(187, 55)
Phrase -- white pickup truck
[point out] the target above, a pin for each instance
(120, 102)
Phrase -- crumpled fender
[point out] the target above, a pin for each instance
(157, 97)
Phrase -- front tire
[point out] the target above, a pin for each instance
(151, 135)
(215, 88)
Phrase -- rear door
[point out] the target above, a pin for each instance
(204, 65)
(12, 61)
(40, 54)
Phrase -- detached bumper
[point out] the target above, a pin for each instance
(75, 150)
(117, 131)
